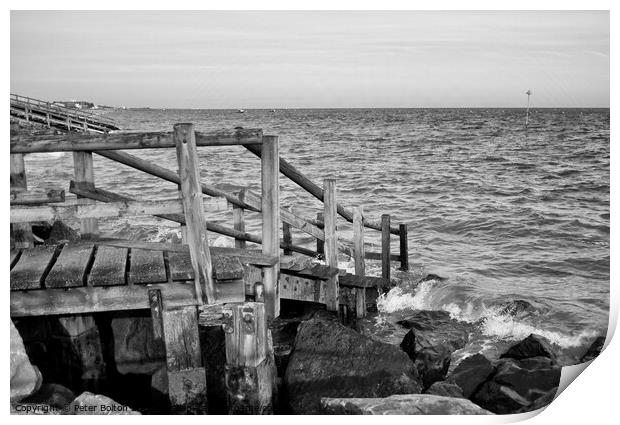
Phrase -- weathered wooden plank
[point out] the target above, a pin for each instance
(297, 288)
(180, 265)
(36, 197)
(227, 268)
(270, 207)
(163, 207)
(363, 281)
(239, 225)
(331, 240)
(248, 256)
(246, 339)
(85, 175)
(378, 256)
(294, 263)
(146, 266)
(358, 241)
(21, 143)
(109, 267)
(33, 265)
(22, 233)
(404, 247)
(197, 237)
(14, 256)
(157, 310)
(385, 246)
(318, 271)
(71, 266)
(113, 298)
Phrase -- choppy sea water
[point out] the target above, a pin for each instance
(501, 211)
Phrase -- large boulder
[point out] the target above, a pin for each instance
(432, 339)
(594, 350)
(54, 395)
(517, 384)
(408, 404)
(96, 404)
(471, 373)
(540, 402)
(532, 346)
(25, 378)
(60, 232)
(445, 389)
(516, 308)
(331, 360)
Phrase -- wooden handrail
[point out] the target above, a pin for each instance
(56, 107)
(117, 141)
(309, 186)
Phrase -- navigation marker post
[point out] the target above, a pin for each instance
(527, 113)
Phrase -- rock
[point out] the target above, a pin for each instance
(471, 373)
(516, 308)
(433, 337)
(540, 402)
(532, 346)
(594, 350)
(408, 404)
(432, 276)
(96, 404)
(54, 395)
(135, 347)
(517, 384)
(25, 378)
(445, 389)
(60, 232)
(331, 360)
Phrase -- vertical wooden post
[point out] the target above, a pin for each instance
(197, 239)
(385, 246)
(239, 224)
(287, 237)
(404, 247)
(22, 232)
(85, 176)
(187, 382)
(360, 265)
(47, 119)
(320, 245)
(249, 371)
(331, 241)
(270, 206)
(358, 241)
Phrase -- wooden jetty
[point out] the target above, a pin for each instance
(190, 284)
(52, 115)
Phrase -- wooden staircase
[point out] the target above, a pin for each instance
(50, 115)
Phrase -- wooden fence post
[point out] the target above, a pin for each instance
(270, 207)
(287, 237)
(250, 368)
(239, 224)
(187, 381)
(85, 176)
(22, 232)
(359, 252)
(197, 239)
(358, 241)
(331, 241)
(404, 247)
(320, 245)
(385, 246)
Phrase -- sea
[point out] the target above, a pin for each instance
(500, 211)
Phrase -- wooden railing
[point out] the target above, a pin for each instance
(52, 114)
(323, 229)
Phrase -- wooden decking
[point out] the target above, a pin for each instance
(90, 277)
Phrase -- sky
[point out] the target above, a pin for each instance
(270, 59)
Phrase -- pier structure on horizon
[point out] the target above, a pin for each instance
(189, 285)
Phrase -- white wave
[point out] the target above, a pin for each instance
(493, 323)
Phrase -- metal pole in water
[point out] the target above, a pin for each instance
(527, 113)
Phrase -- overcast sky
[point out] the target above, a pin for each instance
(312, 59)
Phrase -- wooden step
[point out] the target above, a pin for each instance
(316, 271)
(363, 281)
